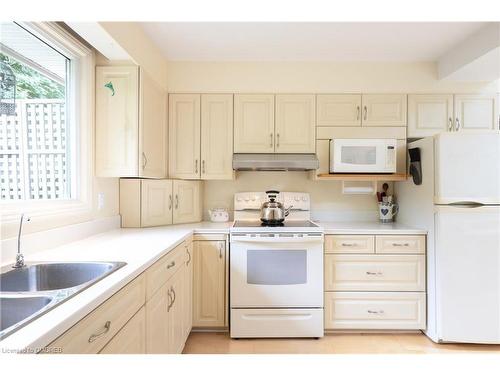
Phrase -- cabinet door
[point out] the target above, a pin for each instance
(188, 290)
(476, 112)
(338, 110)
(117, 128)
(429, 115)
(253, 123)
(187, 201)
(217, 137)
(295, 124)
(156, 202)
(131, 339)
(384, 110)
(209, 283)
(184, 136)
(157, 321)
(175, 313)
(152, 128)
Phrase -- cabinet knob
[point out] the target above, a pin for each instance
(176, 201)
(278, 140)
(203, 166)
(196, 166)
(144, 160)
(271, 142)
(366, 113)
(357, 112)
(457, 124)
(450, 124)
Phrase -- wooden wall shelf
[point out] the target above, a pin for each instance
(363, 177)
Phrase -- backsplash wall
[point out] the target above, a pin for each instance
(327, 201)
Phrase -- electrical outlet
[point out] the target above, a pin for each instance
(100, 201)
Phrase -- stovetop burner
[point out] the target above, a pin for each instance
(285, 224)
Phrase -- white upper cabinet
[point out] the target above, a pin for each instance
(253, 123)
(117, 112)
(384, 110)
(152, 128)
(216, 137)
(295, 124)
(130, 123)
(429, 114)
(476, 112)
(156, 202)
(187, 201)
(338, 110)
(184, 136)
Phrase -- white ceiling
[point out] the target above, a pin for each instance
(274, 41)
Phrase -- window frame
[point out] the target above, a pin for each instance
(80, 107)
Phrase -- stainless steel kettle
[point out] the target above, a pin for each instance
(273, 212)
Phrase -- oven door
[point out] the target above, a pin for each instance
(271, 271)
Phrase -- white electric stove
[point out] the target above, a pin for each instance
(276, 272)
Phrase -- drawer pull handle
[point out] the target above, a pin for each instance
(173, 292)
(374, 273)
(106, 329)
(170, 303)
(189, 255)
(406, 244)
(171, 264)
(345, 244)
(375, 312)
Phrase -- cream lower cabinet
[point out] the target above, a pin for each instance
(148, 203)
(131, 339)
(210, 284)
(375, 282)
(131, 132)
(148, 315)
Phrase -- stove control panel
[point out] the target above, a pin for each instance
(254, 200)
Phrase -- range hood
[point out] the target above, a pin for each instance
(275, 162)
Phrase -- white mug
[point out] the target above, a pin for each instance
(387, 211)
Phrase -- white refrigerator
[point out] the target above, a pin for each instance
(458, 203)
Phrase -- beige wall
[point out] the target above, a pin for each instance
(327, 200)
(311, 77)
(320, 77)
(132, 38)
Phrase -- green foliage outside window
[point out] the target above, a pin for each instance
(30, 84)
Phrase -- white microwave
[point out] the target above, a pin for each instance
(363, 156)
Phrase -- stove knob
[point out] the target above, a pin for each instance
(304, 199)
(296, 199)
(247, 199)
(238, 199)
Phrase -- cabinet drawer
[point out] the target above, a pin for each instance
(94, 331)
(375, 273)
(350, 244)
(159, 273)
(400, 244)
(375, 310)
(132, 337)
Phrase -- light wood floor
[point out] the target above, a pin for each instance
(339, 343)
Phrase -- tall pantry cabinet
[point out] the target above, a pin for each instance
(131, 132)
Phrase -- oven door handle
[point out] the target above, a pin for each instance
(277, 240)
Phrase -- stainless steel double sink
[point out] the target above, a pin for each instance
(30, 291)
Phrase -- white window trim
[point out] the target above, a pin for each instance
(82, 112)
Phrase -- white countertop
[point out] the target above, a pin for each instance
(139, 248)
(368, 227)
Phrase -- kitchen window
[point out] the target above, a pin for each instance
(46, 77)
(36, 153)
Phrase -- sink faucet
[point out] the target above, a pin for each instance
(20, 257)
